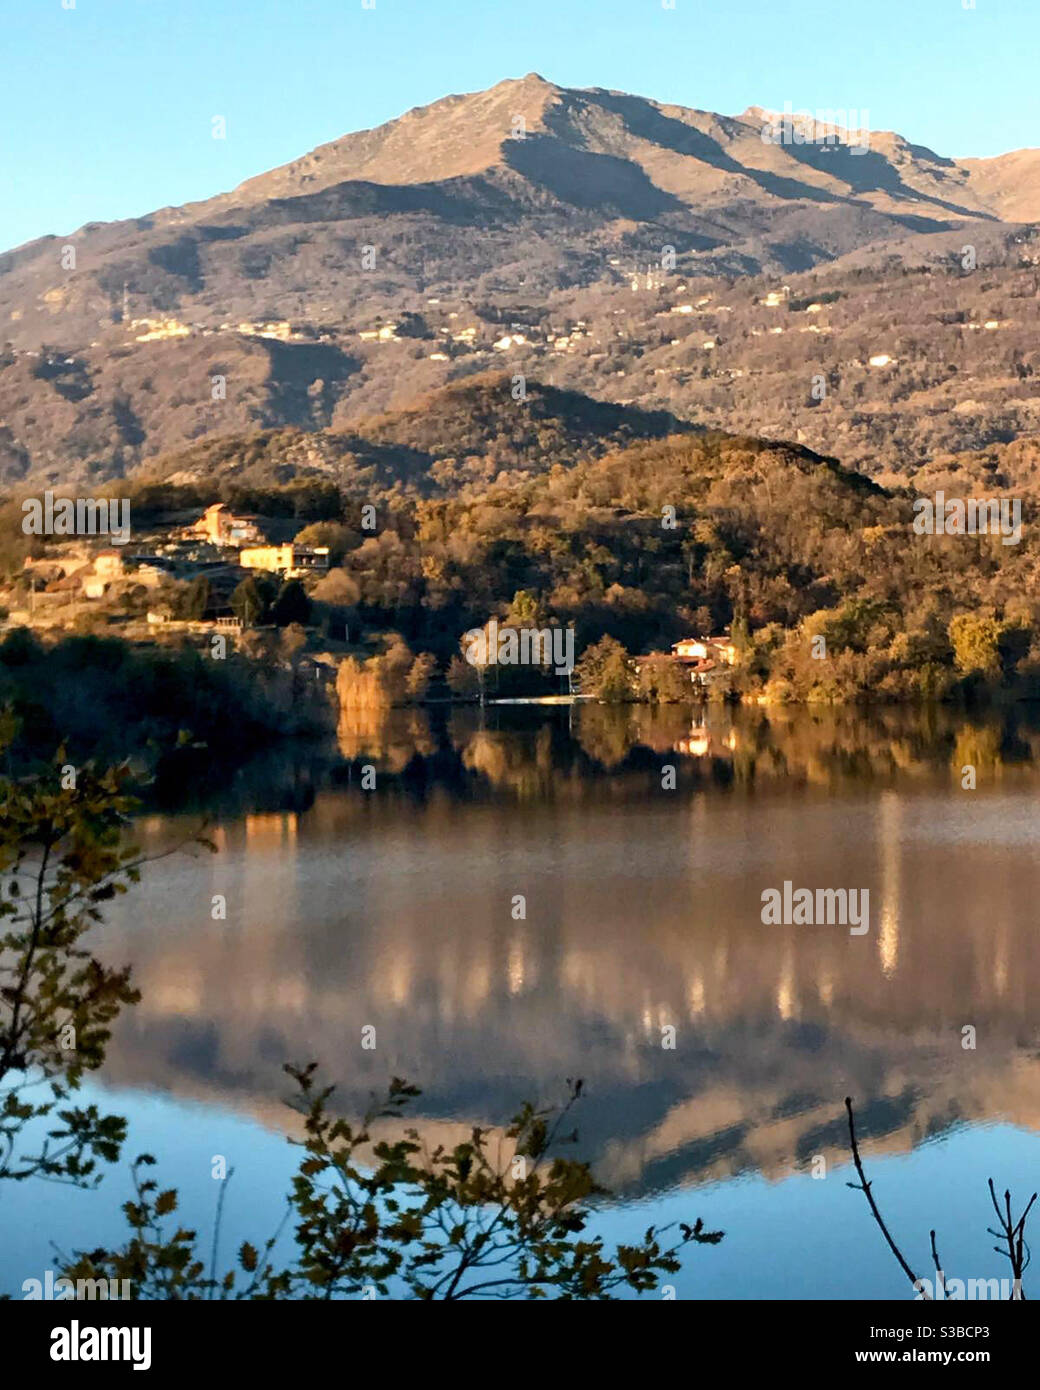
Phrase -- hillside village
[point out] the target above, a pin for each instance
(883, 367)
(188, 580)
(174, 578)
(652, 542)
(519, 385)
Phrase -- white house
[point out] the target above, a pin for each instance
(705, 648)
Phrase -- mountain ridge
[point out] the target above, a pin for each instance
(514, 220)
(390, 154)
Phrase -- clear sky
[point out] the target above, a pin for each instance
(106, 107)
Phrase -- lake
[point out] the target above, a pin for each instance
(529, 894)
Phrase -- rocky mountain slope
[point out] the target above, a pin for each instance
(506, 225)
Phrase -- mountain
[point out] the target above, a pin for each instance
(610, 152)
(503, 169)
(502, 221)
(1009, 184)
(471, 432)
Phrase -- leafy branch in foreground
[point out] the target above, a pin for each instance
(1011, 1233)
(482, 1219)
(63, 853)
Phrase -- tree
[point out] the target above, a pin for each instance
(740, 636)
(394, 677)
(463, 678)
(976, 644)
(524, 611)
(292, 605)
(251, 600)
(337, 588)
(606, 671)
(475, 653)
(194, 600)
(450, 1224)
(1011, 1233)
(291, 641)
(420, 674)
(662, 680)
(61, 854)
(333, 534)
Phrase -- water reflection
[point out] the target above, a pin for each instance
(389, 737)
(394, 908)
(532, 750)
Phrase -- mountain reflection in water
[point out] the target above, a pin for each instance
(392, 908)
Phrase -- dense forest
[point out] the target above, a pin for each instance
(696, 534)
(701, 533)
(558, 510)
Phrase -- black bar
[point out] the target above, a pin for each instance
(217, 1337)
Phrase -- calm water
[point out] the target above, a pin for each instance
(392, 908)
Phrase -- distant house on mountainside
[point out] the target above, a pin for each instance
(694, 649)
(704, 657)
(108, 566)
(220, 526)
(382, 333)
(155, 330)
(291, 560)
(275, 328)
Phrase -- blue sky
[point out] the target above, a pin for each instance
(106, 108)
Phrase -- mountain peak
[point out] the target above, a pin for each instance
(529, 79)
(456, 136)
(629, 155)
(505, 220)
